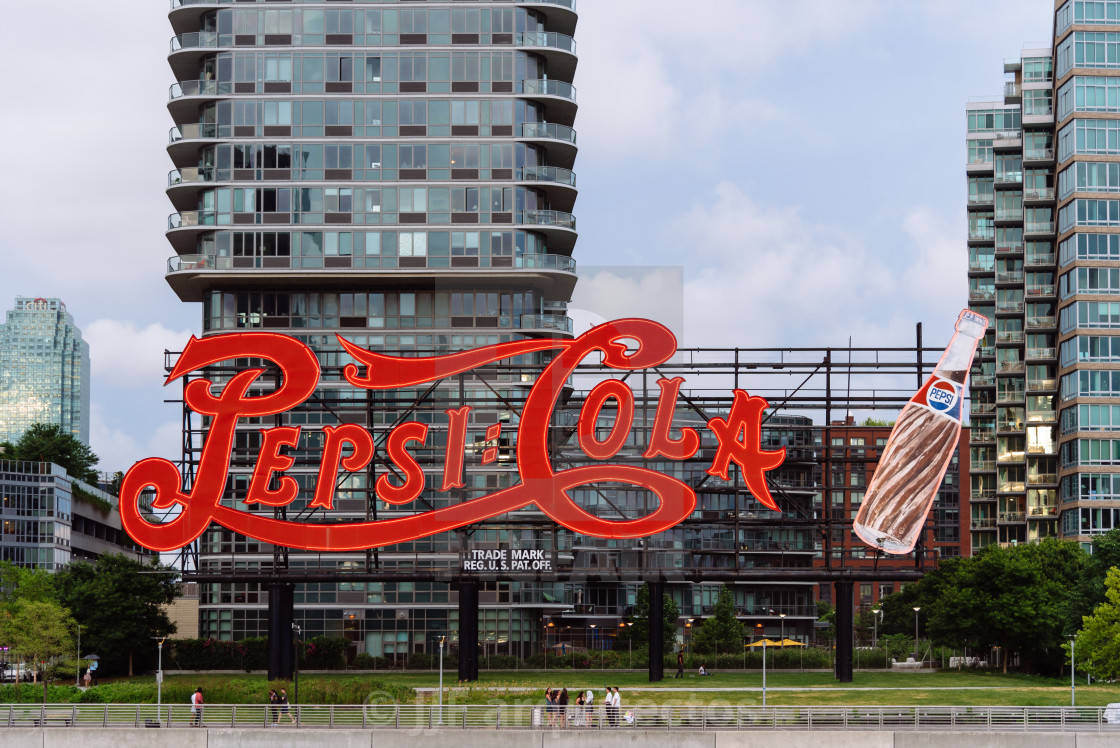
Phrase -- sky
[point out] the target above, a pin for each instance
(799, 163)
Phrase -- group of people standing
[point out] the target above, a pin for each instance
(557, 702)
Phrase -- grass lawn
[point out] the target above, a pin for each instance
(867, 689)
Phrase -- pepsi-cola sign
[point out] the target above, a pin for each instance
(625, 345)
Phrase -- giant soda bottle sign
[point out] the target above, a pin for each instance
(625, 345)
(919, 449)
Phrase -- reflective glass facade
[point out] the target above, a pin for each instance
(1041, 388)
(44, 370)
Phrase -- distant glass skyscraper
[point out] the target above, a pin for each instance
(44, 370)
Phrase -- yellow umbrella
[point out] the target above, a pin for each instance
(791, 643)
(767, 642)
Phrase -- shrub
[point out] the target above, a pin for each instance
(499, 662)
(422, 661)
(324, 653)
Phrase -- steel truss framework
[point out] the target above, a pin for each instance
(807, 389)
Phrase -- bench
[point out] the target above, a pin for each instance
(66, 719)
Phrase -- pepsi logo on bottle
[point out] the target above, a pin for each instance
(941, 396)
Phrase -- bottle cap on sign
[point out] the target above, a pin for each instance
(972, 324)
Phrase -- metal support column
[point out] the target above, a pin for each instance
(468, 631)
(656, 631)
(281, 614)
(844, 630)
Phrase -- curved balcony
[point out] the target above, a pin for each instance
(559, 185)
(199, 88)
(559, 141)
(557, 50)
(190, 275)
(560, 97)
(183, 228)
(195, 40)
(547, 322)
(560, 15)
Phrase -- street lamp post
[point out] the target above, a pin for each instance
(874, 628)
(295, 647)
(916, 609)
(783, 617)
(78, 666)
(441, 640)
(764, 671)
(159, 676)
(1072, 675)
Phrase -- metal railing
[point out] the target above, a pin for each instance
(531, 717)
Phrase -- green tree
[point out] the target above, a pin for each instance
(19, 583)
(723, 632)
(1098, 643)
(37, 632)
(1018, 598)
(47, 442)
(638, 634)
(119, 601)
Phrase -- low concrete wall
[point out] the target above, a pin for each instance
(29, 737)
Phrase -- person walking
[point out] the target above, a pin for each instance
(548, 706)
(680, 664)
(196, 708)
(617, 705)
(579, 716)
(562, 707)
(283, 702)
(612, 712)
(588, 705)
(273, 700)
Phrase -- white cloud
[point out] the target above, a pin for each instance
(663, 73)
(773, 278)
(118, 447)
(122, 352)
(655, 293)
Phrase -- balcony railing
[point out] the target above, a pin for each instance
(549, 218)
(1039, 260)
(1041, 323)
(1045, 193)
(1042, 479)
(1048, 723)
(982, 523)
(1041, 289)
(981, 437)
(1009, 177)
(1010, 276)
(548, 130)
(549, 39)
(981, 294)
(1039, 227)
(985, 199)
(1017, 486)
(983, 380)
(193, 218)
(546, 322)
(1011, 90)
(192, 131)
(1010, 336)
(548, 88)
(1038, 154)
(1041, 384)
(982, 266)
(1009, 396)
(1012, 426)
(195, 40)
(180, 263)
(1008, 367)
(1010, 307)
(1009, 214)
(982, 233)
(1012, 517)
(982, 466)
(545, 174)
(1009, 248)
(1045, 510)
(1041, 352)
(200, 88)
(1042, 416)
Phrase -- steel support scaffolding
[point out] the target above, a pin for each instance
(804, 386)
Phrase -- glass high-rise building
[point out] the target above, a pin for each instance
(1044, 263)
(401, 174)
(44, 370)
